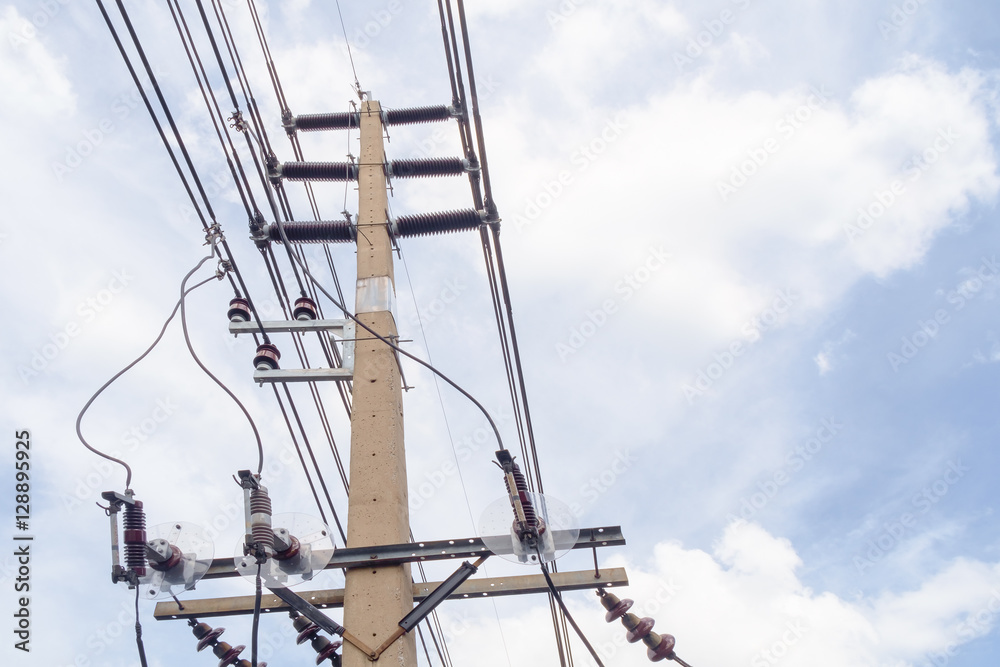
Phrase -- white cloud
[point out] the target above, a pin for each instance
(744, 603)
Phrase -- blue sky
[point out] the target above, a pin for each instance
(753, 257)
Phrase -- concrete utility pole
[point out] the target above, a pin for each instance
(376, 598)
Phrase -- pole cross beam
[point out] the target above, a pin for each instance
(333, 598)
(396, 554)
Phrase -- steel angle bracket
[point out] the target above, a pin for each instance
(345, 330)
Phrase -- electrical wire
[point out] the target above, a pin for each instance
(389, 343)
(138, 631)
(163, 330)
(194, 355)
(256, 619)
(565, 611)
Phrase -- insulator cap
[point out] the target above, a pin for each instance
(211, 638)
(267, 357)
(305, 309)
(239, 310)
(663, 650)
(307, 634)
(175, 557)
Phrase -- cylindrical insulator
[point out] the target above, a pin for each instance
(324, 231)
(319, 171)
(438, 166)
(267, 357)
(239, 310)
(416, 115)
(422, 224)
(641, 630)
(260, 519)
(344, 120)
(663, 649)
(305, 309)
(522, 491)
(134, 537)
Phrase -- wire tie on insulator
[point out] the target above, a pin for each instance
(224, 267)
(238, 123)
(214, 235)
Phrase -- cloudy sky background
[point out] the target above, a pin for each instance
(753, 256)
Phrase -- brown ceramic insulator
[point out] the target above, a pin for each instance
(630, 621)
(618, 610)
(134, 537)
(175, 557)
(662, 651)
(290, 552)
(228, 655)
(307, 634)
(239, 310)
(267, 357)
(210, 639)
(246, 663)
(330, 652)
(301, 622)
(641, 630)
(199, 629)
(305, 309)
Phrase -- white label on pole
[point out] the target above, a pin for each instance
(376, 295)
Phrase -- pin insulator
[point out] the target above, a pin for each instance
(267, 357)
(305, 309)
(134, 537)
(239, 310)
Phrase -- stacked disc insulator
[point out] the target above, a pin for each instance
(659, 647)
(228, 655)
